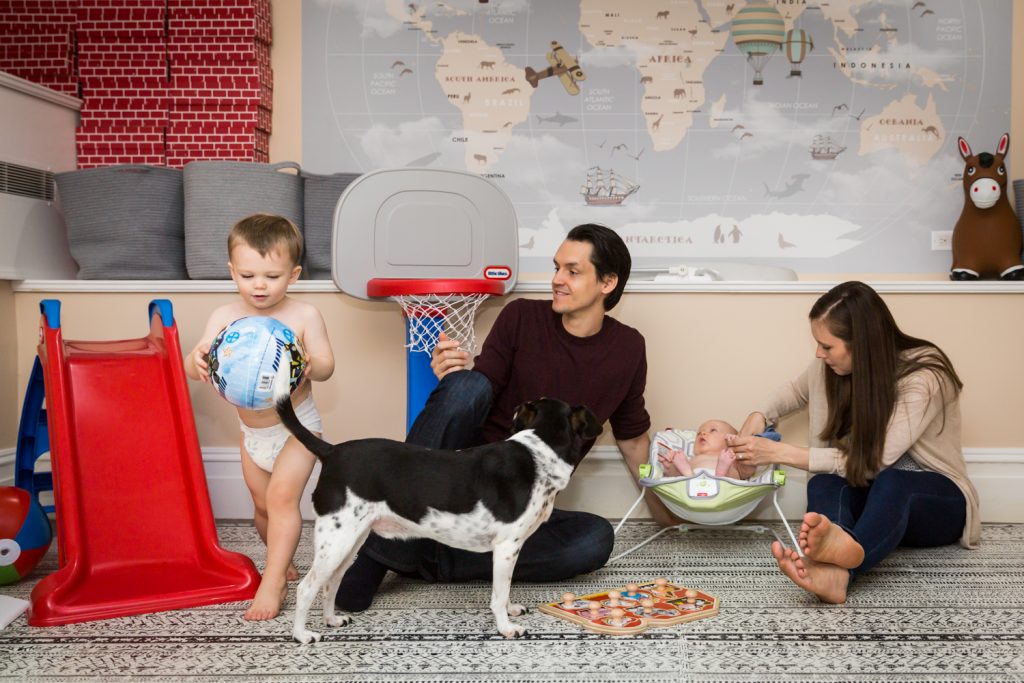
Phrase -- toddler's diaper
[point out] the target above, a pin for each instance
(264, 443)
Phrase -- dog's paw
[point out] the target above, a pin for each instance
(513, 631)
(516, 610)
(338, 620)
(306, 637)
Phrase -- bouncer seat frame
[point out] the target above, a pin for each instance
(704, 499)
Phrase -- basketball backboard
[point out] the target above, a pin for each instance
(418, 223)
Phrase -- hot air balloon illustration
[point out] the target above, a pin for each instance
(758, 31)
(797, 44)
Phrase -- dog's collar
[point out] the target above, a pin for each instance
(546, 455)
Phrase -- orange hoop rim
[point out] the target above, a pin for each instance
(384, 287)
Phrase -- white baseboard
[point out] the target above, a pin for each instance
(603, 486)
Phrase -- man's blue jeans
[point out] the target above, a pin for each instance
(899, 507)
(568, 544)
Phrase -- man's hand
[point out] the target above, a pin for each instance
(447, 356)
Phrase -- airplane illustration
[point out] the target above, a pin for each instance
(563, 65)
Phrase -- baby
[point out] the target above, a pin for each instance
(710, 451)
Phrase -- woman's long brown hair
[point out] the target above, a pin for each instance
(860, 405)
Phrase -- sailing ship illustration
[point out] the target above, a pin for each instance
(606, 188)
(824, 147)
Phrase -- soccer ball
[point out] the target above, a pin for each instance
(244, 358)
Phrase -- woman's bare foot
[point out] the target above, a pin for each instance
(292, 574)
(267, 603)
(823, 541)
(826, 581)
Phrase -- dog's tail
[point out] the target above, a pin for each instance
(285, 410)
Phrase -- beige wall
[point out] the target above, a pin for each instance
(746, 345)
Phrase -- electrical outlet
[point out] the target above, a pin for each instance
(942, 240)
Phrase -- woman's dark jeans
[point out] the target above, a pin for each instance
(899, 507)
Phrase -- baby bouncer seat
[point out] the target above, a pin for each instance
(704, 499)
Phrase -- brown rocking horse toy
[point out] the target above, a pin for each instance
(987, 237)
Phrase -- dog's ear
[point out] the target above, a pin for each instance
(585, 423)
(524, 416)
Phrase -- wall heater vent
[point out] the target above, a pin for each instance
(26, 181)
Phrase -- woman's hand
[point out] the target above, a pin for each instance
(757, 450)
(447, 356)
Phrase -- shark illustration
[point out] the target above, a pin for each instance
(559, 118)
(795, 184)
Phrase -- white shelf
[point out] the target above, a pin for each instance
(542, 286)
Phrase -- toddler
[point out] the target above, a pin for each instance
(264, 253)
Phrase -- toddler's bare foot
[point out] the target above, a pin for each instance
(827, 582)
(292, 574)
(823, 541)
(267, 603)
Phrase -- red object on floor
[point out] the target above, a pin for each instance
(135, 528)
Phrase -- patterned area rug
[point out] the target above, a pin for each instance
(943, 614)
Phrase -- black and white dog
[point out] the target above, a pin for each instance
(488, 498)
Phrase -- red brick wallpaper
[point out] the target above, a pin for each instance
(163, 82)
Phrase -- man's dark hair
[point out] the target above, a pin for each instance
(609, 255)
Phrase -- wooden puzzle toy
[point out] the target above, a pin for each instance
(635, 608)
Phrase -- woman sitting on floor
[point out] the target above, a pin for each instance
(884, 414)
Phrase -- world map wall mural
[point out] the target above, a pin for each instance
(820, 136)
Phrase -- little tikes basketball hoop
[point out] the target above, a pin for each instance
(438, 243)
(432, 307)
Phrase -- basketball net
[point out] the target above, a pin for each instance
(430, 314)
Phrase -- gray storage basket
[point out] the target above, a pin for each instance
(321, 196)
(220, 193)
(125, 222)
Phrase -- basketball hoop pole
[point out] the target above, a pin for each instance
(420, 380)
(430, 307)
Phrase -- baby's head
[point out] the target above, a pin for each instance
(263, 259)
(268, 235)
(711, 437)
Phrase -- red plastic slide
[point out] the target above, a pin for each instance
(134, 525)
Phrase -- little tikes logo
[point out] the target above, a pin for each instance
(497, 273)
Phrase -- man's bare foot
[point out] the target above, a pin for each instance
(291, 574)
(823, 541)
(267, 603)
(826, 581)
